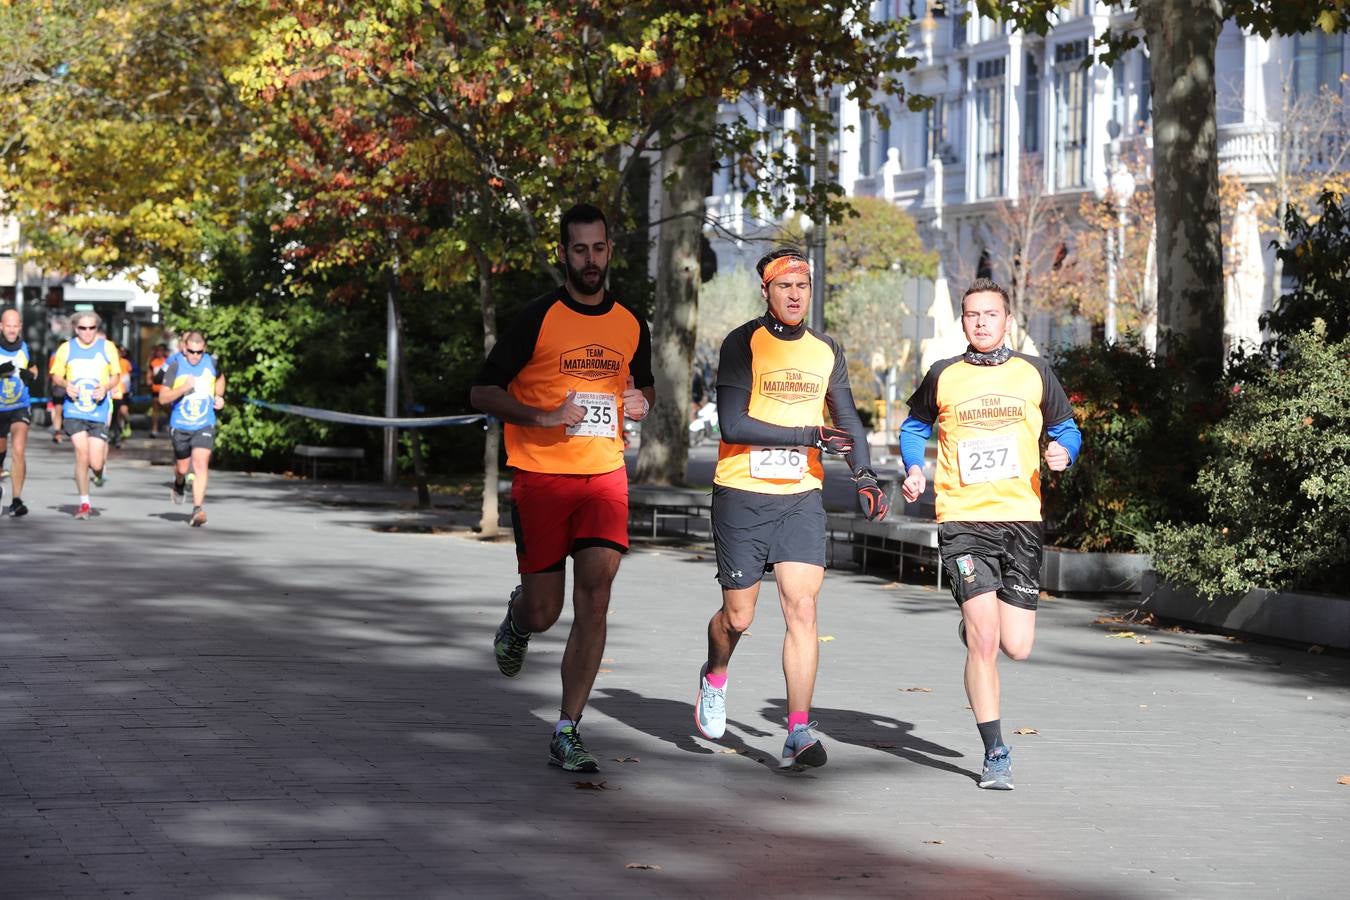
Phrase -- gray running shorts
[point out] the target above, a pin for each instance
(752, 531)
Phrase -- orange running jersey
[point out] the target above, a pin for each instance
(989, 421)
(557, 345)
(791, 379)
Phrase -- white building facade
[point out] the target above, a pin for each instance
(1006, 103)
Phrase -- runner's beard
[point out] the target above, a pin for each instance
(589, 280)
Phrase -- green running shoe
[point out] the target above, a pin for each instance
(509, 644)
(567, 750)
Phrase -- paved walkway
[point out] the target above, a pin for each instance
(299, 700)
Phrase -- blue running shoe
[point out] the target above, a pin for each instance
(710, 707)
(997, 774)
(802, 750)
(510, 645)
(568, 752)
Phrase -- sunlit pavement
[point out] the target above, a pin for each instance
(300, 700)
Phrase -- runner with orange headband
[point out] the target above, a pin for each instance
(775, 382)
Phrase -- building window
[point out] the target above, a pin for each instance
(1031, 108)
(1318, 62)
(1120, 97)
(935, 129)
(958, 16)
(989, 28)
(1071, 115)
(865, 143)
(1144, 104)
(989, 94)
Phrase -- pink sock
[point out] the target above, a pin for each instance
(801, 717)
(717, 681)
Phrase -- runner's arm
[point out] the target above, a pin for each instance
(734, 374)
(1058, 411)
(844, 412)
(498, 403)
(168, 394)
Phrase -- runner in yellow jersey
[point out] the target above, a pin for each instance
(776, 380)
(990, 407)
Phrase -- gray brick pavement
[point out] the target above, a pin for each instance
(292, 703)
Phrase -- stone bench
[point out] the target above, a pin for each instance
(314, 456)
(897, 537)
(656, 504)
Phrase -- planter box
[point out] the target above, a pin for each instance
(1078, 572)
(1288, 615)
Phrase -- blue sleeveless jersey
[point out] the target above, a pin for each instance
(13, 392)
(196, 409)
(86, 369)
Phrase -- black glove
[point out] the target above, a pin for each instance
(870, 496)
(830, 440)
(28, 376)
(6, 369)
(158, 377)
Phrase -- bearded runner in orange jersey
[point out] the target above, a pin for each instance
(572, 366)
(990, 406)
(776, 378)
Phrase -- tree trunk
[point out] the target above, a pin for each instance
(686, 165)
(1182, 38)
(487, 523)
(406, 393)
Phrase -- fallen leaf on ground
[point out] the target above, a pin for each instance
(1143, 706)
(594, 786)
(1344, 779)
(1121, 634)
(826, 638)
(918, 690)
(608, 659)
(626, 759)
(1109, 620)
(1143, 640)
(603, 671)
(1026, 731)
(1317, 648)
(643, 866)
(890, 586)
(939, 841)
(731, 750)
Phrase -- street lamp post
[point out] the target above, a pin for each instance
(1116, 191)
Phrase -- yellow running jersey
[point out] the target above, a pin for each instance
(990, 420)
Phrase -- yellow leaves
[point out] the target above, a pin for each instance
(1121, 634)
(1026, 731)
(505, 95)
(826, 638)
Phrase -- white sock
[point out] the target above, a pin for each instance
(84, 498)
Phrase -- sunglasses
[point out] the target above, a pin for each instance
(194, 352)
(86, 328)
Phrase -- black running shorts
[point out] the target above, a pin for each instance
(1005, 557)
(752, 531)
(96, 430)
(184, 442)
(9, 417)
